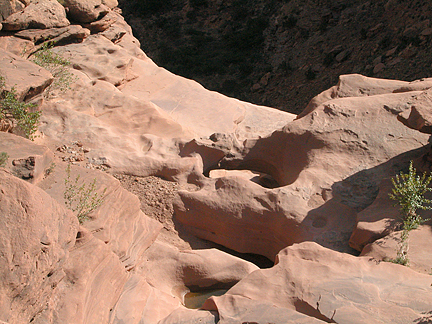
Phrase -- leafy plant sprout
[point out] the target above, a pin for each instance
(408, 191)
(3, 158)
(82, 199)
(21, 114)
(57, 65)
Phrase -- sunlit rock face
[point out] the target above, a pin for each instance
(308, 192)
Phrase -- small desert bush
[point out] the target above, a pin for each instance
(408, 191)
(57, 65)
(22, 113)
(82, 198)
(3, 158)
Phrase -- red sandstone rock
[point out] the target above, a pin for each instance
(72, 33)
(26, 160)
(36, 235)
(85, 11)
(328, 171)
(329, 286)
(419, 255)
(38, 14)
(27, 78)
(328, 165)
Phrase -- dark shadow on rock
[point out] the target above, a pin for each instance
(282, 162)
(197, 243)
(332, 223)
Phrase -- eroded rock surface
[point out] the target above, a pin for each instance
(38, 14)
(27, 78)
(328, 164)
(329, 286)
(248, 177)
(36, 234)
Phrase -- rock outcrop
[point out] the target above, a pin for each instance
(329, 286)
(328, 164)
(309, 192)
(36, 237)
(27, 78)
(38, 14)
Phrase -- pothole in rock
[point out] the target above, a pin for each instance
(156, 196)
(263, 179)
(196, 299)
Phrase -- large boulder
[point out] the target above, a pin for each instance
(86, 11)
(27, 78)
(8, 7)
(59, 36)
(38, 14)
(36, 234)
(26, 160)
(328, 286)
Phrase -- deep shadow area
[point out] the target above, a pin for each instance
(334, 221)
(282, 53)
(198, 244)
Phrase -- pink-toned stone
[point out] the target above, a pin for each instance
(102, 24)
(68, 34)
(420, 115)
(17, 46)
(377, 220)
(329, 286)
(38, 14)
(419, 243)
(354, 85)
(118, 217)
(8, 7)
(27, 78)
(20, 150)
(93, 282)
(110, 3)
(328, 165)
(36, 234)
(86, 11)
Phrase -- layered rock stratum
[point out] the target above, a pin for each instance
(198, 188)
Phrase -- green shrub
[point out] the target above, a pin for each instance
(3, 158)
(21, 112)
(408, 191)
(57, 65)
(81, 199)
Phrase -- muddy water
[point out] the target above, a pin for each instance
(195, 300)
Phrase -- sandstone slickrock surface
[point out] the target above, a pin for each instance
(36, 236)
(26, 161)
(332, 287)
(309, 192)
(333, 158)
(27, 78)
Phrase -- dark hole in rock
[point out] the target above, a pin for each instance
(79, 234)
(263, 179)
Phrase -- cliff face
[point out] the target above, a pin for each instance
(283, 53)
(194, 184)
